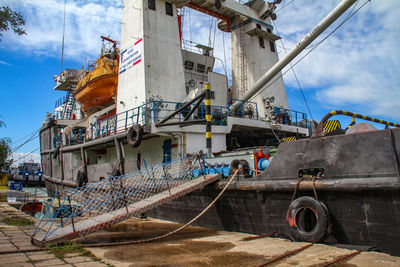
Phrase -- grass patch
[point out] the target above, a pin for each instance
(17, 221)
(60, 250)
(63, 249)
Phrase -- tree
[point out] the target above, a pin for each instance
(4, 151)
(10, 18)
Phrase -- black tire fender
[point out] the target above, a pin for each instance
(81, 179)
(234, 165)
(322, 227)
(245, 167)
(56, 151)
(135, 135)
(116, 172)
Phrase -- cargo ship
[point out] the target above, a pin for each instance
(160, 100)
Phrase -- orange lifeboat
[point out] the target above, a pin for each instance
(99, 86)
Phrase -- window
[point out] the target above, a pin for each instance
(258, 26)
(261, 40)
(168, 9)
(212, 94)
(269, 30)
(152, 4)
(272, 46)
(201, 68)
(189, 65)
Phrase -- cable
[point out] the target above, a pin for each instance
(26, 155)
(35, 131)
(34, 136)
(326, 37)
(294, 73)
(279, 9)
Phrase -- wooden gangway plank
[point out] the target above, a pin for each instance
(103, 221)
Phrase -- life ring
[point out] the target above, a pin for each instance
(134, 136)
(312, 227)
(81, 178)
(56, 151)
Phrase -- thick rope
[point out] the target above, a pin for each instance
(172, 232)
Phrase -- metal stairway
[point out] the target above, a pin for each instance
(101, 205)
(69, 103)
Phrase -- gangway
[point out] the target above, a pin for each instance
(81, 211)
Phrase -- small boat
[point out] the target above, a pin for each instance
(99, 86)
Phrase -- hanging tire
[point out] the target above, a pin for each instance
(134, 136)
(241, 165)
(81, 178)
(234, 166)
(308, 220)
(245, 167)
(56, 151)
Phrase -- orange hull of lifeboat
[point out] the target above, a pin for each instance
(97, 92)
(99, 86)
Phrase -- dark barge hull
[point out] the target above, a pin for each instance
(360, 188)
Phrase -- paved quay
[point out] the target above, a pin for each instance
(16, 249)
(193, 246)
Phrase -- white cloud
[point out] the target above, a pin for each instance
(19, 158)
(4, 63)
(86, 21)
(357, 67)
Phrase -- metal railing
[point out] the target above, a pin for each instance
(246, 109)
(293, 117)
(156, 110)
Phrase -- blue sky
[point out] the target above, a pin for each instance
(355, 69)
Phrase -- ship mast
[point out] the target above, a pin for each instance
(311, 36)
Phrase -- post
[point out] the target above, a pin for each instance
(72, 213)
(207, 88)
(60, 211)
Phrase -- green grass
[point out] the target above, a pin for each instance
(17, 221)
(61, 250)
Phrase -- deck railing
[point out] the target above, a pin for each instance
(156, 110)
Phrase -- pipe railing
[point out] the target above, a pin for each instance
(156, 110)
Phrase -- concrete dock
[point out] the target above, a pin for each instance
(193, 246)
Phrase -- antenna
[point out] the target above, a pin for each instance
(62, 49)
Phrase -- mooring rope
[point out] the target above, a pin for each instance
(172, 232)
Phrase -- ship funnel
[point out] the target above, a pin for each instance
(311, 36)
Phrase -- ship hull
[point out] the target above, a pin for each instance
(359, 185)
(366, 218)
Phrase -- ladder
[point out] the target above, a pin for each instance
(69, 103)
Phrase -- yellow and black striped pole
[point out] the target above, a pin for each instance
(207, 88)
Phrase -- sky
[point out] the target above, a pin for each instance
(355, 69)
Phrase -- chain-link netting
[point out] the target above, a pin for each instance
(96, 206)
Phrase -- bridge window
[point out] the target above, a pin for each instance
(261, 40)
(168, 9)
(201, 68)
(272, 46)
(189, 65)
(152, 4)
